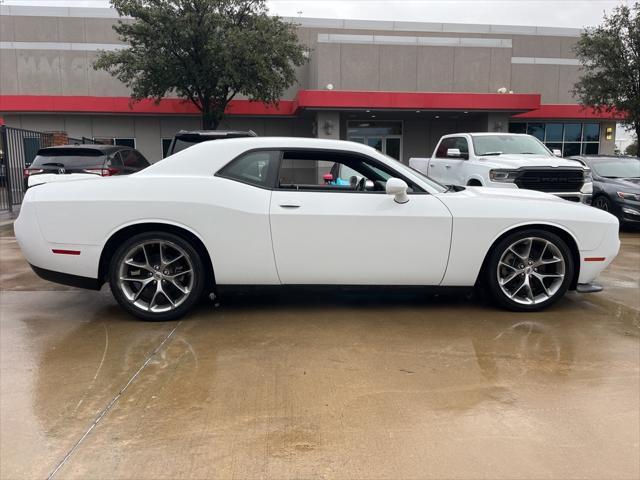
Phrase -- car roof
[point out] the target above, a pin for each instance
(481, 134)
(216, 133)
(205, 158)
(105, 149)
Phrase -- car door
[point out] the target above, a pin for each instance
(457, 166)
(446, 168)
(326, 232)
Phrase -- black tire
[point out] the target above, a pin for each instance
(187, 302)
(602, 203)
(495, 290)
(474, 183)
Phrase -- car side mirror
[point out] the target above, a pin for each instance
(398, 188)
(454, 153)
(557, 153)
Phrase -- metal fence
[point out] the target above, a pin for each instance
(18, 148)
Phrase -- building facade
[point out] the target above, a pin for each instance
(397, 86)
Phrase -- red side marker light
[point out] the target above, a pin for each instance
(594, 259)
(66, 252)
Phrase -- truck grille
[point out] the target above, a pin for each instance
(551, 180)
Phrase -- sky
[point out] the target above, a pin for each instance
(554, 13)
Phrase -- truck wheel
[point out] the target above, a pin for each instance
(529, 270)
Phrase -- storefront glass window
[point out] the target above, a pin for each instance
(569, 138)
(537, 130)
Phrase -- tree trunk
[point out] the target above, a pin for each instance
(211, 115)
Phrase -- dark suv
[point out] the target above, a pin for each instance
(104, 160)
(185, 139)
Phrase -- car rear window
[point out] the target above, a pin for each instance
(81, 157)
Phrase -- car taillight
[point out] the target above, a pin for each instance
(104, 172)
(31, 171)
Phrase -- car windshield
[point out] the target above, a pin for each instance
(508, 144)
(76, 158)
(622, 168)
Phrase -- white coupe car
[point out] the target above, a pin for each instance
(269, 211)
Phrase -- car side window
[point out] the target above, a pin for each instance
(460, 143)
(255, 168)
(114, 161)
(317, 170)
(132, 159)
(445, 145)
(140, 160)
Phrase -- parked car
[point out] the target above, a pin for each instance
(616, 185)
(505, 160)
(103, 160)
(185, 139)
(259, 211)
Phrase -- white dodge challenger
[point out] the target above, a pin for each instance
(299, 211)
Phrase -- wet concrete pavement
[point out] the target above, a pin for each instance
(338, 386)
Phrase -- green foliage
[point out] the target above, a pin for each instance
(632, 149)
(206, 51)
(610, 54)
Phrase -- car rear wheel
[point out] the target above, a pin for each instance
(156, 276)
(529, 270)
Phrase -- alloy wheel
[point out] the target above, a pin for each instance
(531, 270)
(156, 276)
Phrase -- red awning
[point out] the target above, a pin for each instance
(527, 103)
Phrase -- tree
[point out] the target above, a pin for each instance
(206, 51)
(610, 54)
(632, 149)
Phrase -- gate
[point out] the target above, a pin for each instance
(18, 148)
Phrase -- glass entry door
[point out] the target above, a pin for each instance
(386, 137)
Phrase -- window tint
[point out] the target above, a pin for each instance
(332, 171)
(166, 142)
(537, 130)
(254, 168)
(453, 142)
(69, 158)
(132, 159)
(445, 145)
(554, 132)
(591, 132)
(572, 132)
(125, 142)
(518, 127)
(507, 144)
(115, 160)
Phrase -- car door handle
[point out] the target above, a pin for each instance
(447, 166)
(290, 205)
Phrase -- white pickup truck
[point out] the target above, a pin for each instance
(505, 160)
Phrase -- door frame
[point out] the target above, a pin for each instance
(384, 137)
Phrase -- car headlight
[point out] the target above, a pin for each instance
(629, 196)
(503, 175)
(588, 176)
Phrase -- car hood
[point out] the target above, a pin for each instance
(518, 161)
(508, 194)
(631, 185)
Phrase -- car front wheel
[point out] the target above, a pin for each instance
(529, 270)
(156, 276)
